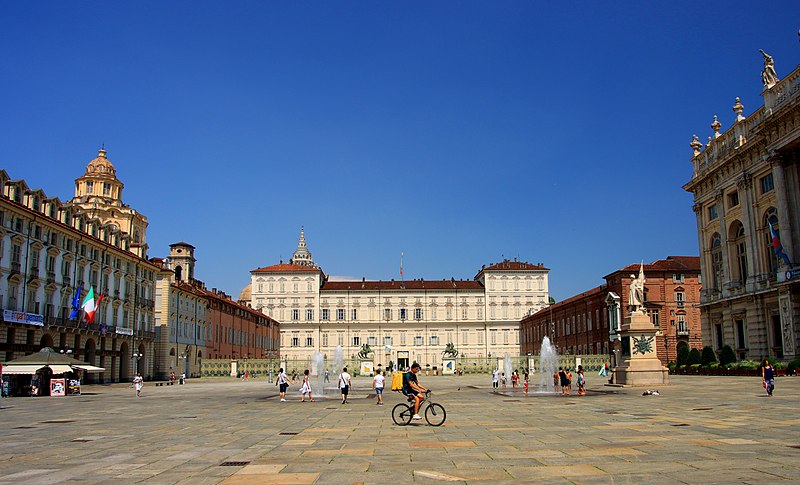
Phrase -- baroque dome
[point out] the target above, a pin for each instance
(245, 295)
(101, 166)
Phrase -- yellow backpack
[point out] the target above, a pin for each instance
(397, 381)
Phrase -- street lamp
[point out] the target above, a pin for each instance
(136, 356)
(65, 351)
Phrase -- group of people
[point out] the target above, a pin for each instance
(499, 378)
(562, 381)
(344, 385)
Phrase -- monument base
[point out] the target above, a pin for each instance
(640, 365)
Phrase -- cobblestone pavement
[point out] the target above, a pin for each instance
(699, 430)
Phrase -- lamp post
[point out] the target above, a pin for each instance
(136, 356)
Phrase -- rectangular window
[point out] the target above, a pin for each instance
(434, 340)
(372, 340)
(463, 313)
(402, 314)
(309, 341)
(464, 337)
(718, 335)
(712, 212)
(419, 341)
(387, 313)
(295, 341)
(655, 318)
(402, 338)
(354, 314)
(387, 340)
(767, 184)
(324, 339)
(340, 313)
(309, 315)
(418, 313)
(295, 314)
(678, 278)
(326, 314)
(356, 341)
(493, 337)
(505, 337)
(741, 340)
(480, 313)
(480, 338)
(733, 199)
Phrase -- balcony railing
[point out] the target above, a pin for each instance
(65, 280)
(15, 266)
(683, 329)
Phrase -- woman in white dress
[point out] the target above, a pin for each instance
(306, 389)
(138, 382)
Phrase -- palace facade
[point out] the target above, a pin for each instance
(49, 249)
(401, 321)
(744, 180)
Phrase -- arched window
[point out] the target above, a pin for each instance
(739, 253)
(178, 273)
(770, 217)
(716, 261)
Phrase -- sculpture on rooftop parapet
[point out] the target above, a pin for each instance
(768, 75)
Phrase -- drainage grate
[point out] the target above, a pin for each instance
(289, 433)
(51, 421)
(680, 424)
(81, 440)
(234, 463)
(510, 400)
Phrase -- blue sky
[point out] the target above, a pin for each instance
(458, 133)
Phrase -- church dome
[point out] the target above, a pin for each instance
(101, 166)
(245, 295)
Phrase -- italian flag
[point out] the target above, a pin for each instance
(89, 305)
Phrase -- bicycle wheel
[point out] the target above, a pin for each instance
(435, 414)
(401, 414)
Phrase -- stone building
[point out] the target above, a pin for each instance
(584, 323)
(744, 180)
(401, 321)
(49, 249)
(181, 308)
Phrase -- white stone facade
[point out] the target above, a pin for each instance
(414, 319)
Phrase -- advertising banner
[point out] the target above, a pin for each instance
(58, 387)
(22, 317)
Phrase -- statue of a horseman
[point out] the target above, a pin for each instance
(365, 351)
(450, 351)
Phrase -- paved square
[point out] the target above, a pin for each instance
(700, 430)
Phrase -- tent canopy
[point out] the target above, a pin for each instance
(58, 363)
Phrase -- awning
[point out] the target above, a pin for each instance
(88, 368)
(59, 368)
(22, 369)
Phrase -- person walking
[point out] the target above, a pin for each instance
(525, 385)
(306, 388)
(138, 383)
(557, 380)
(495, 379)
(344, 384)
(327, 379)
(377, 384)
(768, 375)
(283, 383)
(581, 382)
(563, 381)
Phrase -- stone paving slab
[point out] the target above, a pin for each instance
(700, 430)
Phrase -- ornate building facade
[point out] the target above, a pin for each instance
(745, 180)
(402, 321)
(585, 323)
(48, 249)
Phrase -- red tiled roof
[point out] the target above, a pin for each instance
(402, 285)
(286, 268)
(672, 263)
(227, 299)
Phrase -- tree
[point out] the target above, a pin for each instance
(683, 355)
(708, 357)
(694, 357)
(727, 356)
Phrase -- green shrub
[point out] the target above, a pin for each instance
(749, 365)
(683, 355)
(793, 366)
(671, 365)
(713, 365)
(727, 355)
(694, 357)
(708, 357)
(780, 366)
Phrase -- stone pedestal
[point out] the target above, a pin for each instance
(639, 365)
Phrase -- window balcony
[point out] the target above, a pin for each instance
(683, 329)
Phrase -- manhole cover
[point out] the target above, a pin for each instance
(51, 421)
(81, 440)
(288, 433)
(234, 463)
(680, 424)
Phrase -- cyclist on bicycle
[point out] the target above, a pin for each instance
(412, 389)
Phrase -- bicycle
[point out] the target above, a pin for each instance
(434, 413)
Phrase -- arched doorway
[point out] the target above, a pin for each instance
(90, 357)
(46, 341)
(124, 363)
(141, 364)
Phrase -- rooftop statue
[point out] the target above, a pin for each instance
(768, 75)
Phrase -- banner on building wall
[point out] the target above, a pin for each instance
(124, 331)
(22, 317)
